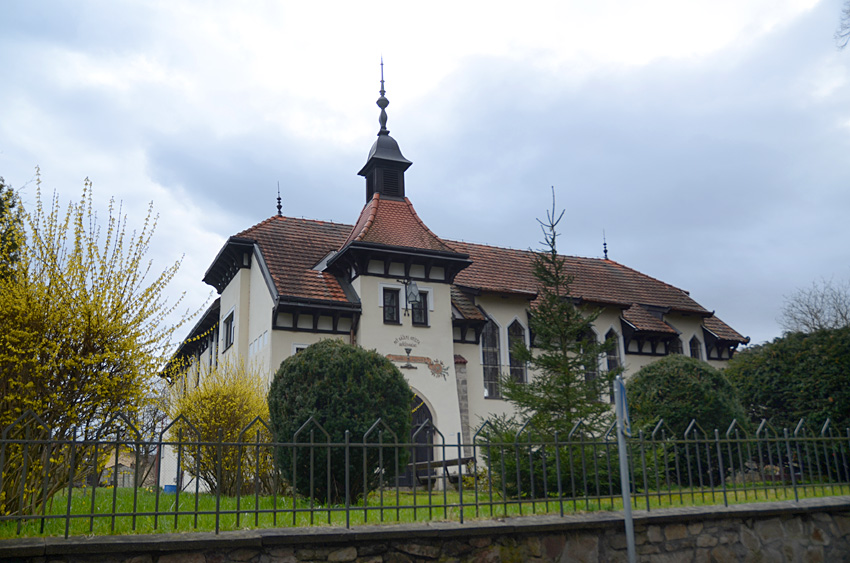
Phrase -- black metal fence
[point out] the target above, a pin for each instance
(113, 481)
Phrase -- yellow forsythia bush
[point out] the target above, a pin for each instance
(226, 401)
(85, 324)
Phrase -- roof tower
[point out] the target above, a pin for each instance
(385, 166)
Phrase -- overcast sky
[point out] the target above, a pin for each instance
(709, 140)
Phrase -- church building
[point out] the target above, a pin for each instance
(445, 312)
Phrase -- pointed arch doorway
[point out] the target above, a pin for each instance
(422, 442)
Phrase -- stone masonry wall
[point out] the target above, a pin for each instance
(812, 530)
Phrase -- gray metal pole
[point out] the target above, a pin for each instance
(625, 482)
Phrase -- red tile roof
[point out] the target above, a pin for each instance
(642, 319)
(724, 331)
(466, 306)
(394, 223)
(292, 247)
(595, 280)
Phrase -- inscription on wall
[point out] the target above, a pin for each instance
(405, 341)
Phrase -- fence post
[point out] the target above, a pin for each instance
(720, 466)
(790, 465)
(348, 479)
(460, 475)
(625, 480)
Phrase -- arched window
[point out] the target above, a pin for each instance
(516, 335)
(490, 354)
(696, 348)
(613, 355)
(591, 372)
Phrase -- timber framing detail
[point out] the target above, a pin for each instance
(315, 318)
(234, 255)
(357, 257)
(648, 343)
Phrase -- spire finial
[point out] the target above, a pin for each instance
(604, 245)
(383, 102)
(382, 76)
(279, 206)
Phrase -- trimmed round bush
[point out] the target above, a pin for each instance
(341, 387)
(679, 389)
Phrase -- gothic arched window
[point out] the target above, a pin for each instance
(696, 348)
(516, 335)
(490, 354)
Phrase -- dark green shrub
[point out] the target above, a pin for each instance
(532, 464)
(796, 376)
(679, 389)
(343, 388)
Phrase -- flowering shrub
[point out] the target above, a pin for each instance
(223, 409)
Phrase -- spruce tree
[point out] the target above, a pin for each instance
(567, 384)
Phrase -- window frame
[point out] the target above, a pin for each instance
(695, 345)
(612, 356)
(421, 308)
(229, 333)
(591, 373)
(395, 319)
(491, 371)
(518, 370)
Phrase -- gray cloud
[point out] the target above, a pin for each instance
(725, 175)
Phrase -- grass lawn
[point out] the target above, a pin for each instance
(143, 511)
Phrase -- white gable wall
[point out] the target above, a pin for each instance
(259, 322)
(432, 350)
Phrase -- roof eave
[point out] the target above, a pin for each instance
(216, 273)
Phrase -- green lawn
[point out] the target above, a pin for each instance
(93, 513)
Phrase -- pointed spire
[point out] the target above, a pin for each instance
(385, 165)
(383, 102)
(279, 206)
(604, 245)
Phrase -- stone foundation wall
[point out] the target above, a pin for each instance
(812, 530)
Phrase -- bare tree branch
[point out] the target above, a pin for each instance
(824, 305)
(842, 36)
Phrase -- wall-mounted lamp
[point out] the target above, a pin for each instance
(411, 293)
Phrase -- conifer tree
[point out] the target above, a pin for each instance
(566, 384)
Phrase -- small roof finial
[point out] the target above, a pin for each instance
(383, 102)
(382, 76)
(279, 206)
(604, 245)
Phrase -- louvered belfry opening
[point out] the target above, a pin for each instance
(392, 185)
(389, 182)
